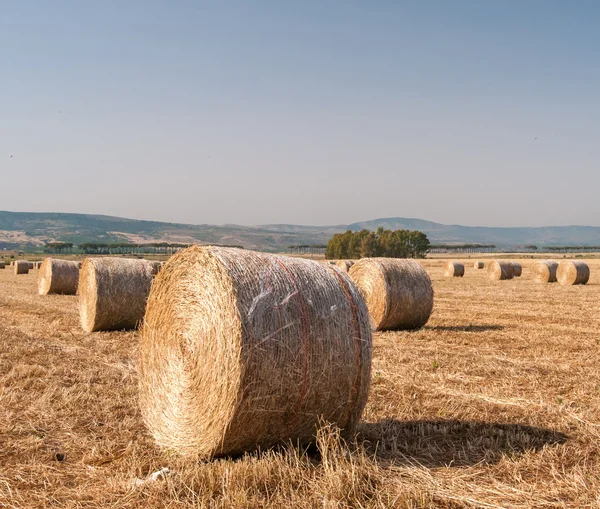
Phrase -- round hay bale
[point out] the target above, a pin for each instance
(573, 272)
(21, 267)
(454, 269)
(58, 276)
(544, 271)
(2, 264)
(31, 265)
(156, 267)
(113, 293)
(500, 269)
(79, 264)
(398, 293)
(344, 264)
(517, 269)
(478, 265)
(243, 350)
(38, 265)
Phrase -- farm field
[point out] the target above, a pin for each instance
(495, 403)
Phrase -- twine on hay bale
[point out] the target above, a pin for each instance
(500, 269)
(517, 269)
(21, 267)
(243, 350)
(478, 265)
(454, 269)
(398, 292)
(58, 276)
(113, 293)
(344, 264)
(544, 271)
(573, 272)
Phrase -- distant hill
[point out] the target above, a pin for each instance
(28, 230)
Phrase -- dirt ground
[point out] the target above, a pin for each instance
(495, 403)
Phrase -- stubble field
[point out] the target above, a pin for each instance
(495, 403)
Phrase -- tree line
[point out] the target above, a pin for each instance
(387, 243)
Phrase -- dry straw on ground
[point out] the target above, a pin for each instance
(397, 292)
(478, 265)
(344, 264)
(573, 272)
(517, 269)
(21, 267)
(243, 350)
(544, 271)
(500, 269)
(113, 293)
(58, 276)
(454, 269)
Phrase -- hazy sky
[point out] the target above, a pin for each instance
(311, 112)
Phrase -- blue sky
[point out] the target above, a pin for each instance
(470, 112)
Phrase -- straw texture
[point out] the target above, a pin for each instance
(58, 276)
(500, 269)
(243, 350)
(398, 292)
(21, 267)
(344, 264)
(454, 269)
(544, 271)
(517, 269)
(478, 265)
(573, 272)
(113, 293)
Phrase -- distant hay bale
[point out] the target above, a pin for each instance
(500, 269)
(573, 272)
(31, 265)
(113, 293)
(38, 265)
(454, 269)
(398, 292)
(79, 264)
(344, 264)
(58, 276)
(156, 267)
(544, 271)
(517, 269)
(21, 267)
(478, 265)
(243, 350)
(2, 264)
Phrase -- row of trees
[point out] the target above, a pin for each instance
(388, 243)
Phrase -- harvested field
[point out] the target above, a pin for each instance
(494, 403)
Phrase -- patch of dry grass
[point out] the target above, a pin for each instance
(494, 404)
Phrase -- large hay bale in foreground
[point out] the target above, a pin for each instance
(243, 350)
(58, 276)
(478, 265)
(344, 264)
(398, 292)
(500, 269)
(454, 269)
(544, 271)
(113, 293)
(21, 267)
(517, 269)
(573, 272)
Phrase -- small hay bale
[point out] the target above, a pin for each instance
(544, 271)
(573, 272)
(500, 269)
(517, 269)
(398, 292)
(2, 264)
(58, 276)
(156, 267)
(38, 265)
(113, 293)
(21, 267)
(243, 350)
(344, 264)
(479, 265)
(31, 265)
(454, 269)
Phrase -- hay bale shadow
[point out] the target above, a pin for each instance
(452, 442)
